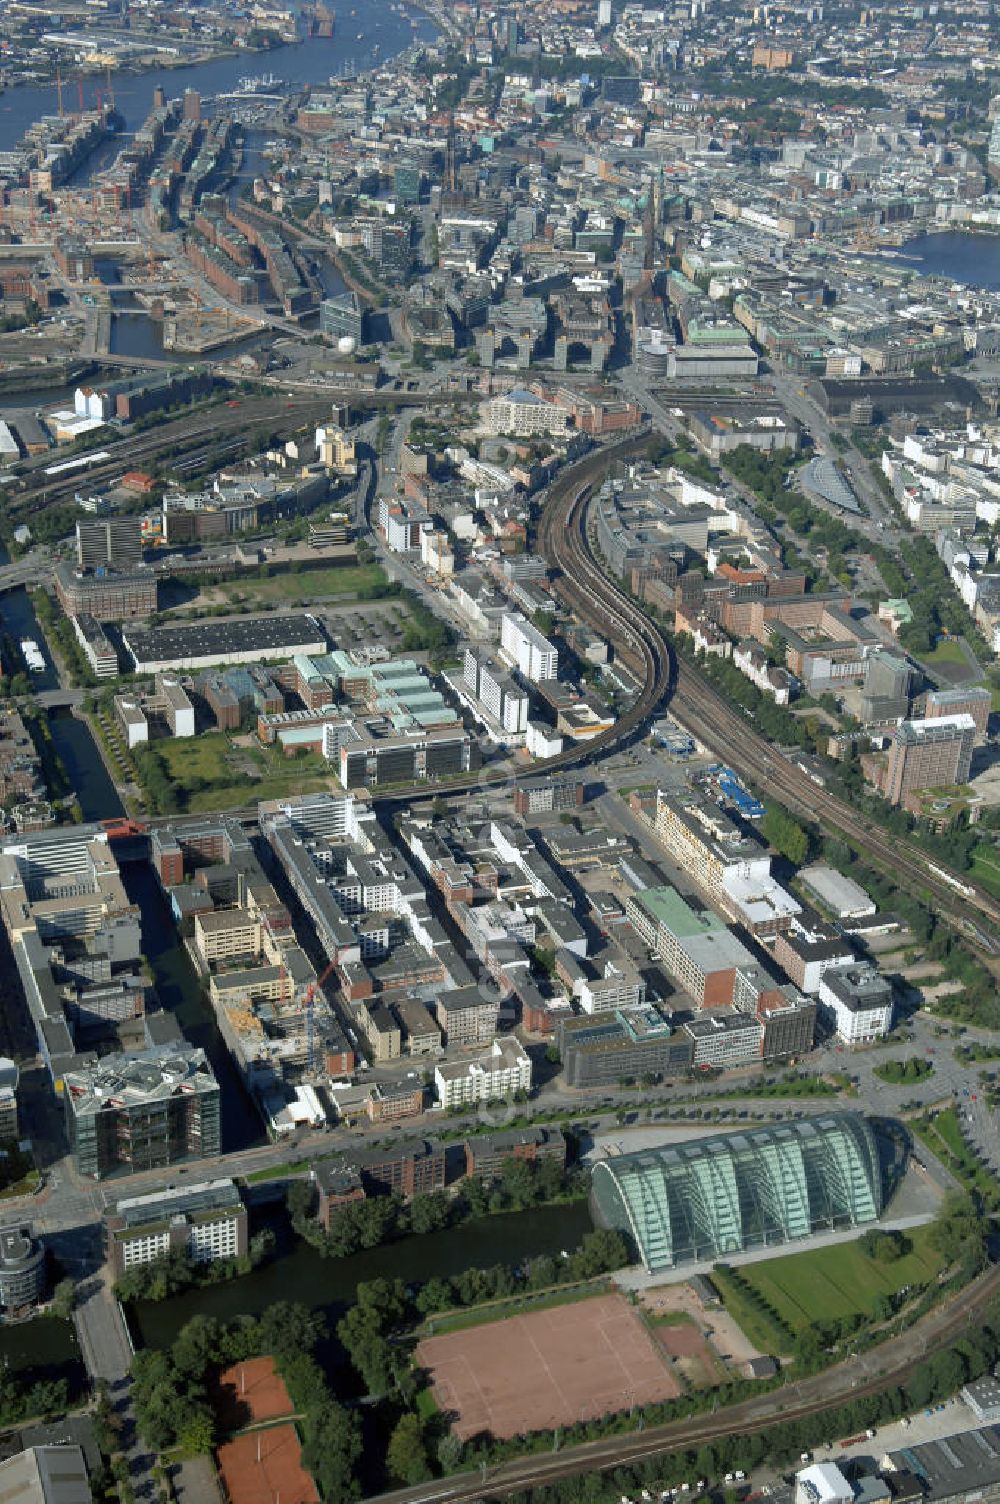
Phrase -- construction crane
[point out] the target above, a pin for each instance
(308, 1002)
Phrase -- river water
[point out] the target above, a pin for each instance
(300, 64)
(971, 259)
(299, 1273)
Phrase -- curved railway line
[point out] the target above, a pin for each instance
(700, 709)
(638, 643)
(697, 706)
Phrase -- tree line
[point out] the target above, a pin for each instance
(177, 1271)
(357, 1225)
(171, 1390)
(936, 1378)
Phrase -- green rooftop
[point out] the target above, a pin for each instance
(667, 907)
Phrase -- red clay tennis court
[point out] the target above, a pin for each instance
(546, 1368)
(265, 1466)
(248, 1393)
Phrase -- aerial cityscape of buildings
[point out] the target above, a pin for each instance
(499, 651)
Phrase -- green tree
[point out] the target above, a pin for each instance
(63, 1299)
(331, 1448)
(197, 1435)
(407, 1453)
(785, 835)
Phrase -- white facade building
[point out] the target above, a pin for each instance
(497, 1074)
(522, 414)
(525, 647)
(859, 1001)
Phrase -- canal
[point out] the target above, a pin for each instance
(177, 987)
(298, 1273)
(73, 740)
(17, 617)
(41, 1349)
(179, 992)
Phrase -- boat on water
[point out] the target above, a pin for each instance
(261, 83)
(32, 655)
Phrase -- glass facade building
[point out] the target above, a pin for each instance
(731, 1192)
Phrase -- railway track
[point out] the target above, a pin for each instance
(892, 1364)
(700, 709)
(201, 433)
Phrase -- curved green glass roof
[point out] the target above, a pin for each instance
(733, 1191)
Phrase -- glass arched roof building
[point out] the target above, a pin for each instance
(729, 1192)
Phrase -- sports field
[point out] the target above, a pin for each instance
(827, 1283)
(262, 1466)
(250, 1393)
(546, 1368)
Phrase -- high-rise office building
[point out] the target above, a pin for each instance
(929, 754)
(109, 542)
(142, 1112)
(342, 316)
(977, 702)
(993, 150)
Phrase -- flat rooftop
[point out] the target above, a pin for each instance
(220, 638)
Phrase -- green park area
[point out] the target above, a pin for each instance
(301, 587)
(212, 772)
(986, 866)
(904, 1072)
(825, 1284)
(947, 652)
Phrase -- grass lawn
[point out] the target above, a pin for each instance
(765, 1334)
(209, 773)
(986, 864)
(278, 787)
(195, 757)
(826, 1283)
(278, 1172)
(26, 1186)
(948, 650)
(303, 586)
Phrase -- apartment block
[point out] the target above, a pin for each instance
(496, 1075)
(806, 950)
(467, 1016)
(523, 646)
(129, 1113)
(732, 868)
(859, 1001)
(626, 1044)
(205, 1220)
(697, 948)
(724, 1040)
(943, 703)
(410, 1168)
(109, 542)
(545, 795)
(620, 986)
(487, 1153)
